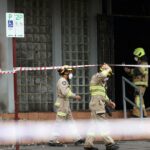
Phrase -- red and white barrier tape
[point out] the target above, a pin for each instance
(19, 69)
(27, 131)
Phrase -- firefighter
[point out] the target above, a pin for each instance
(140, 79)
(64, 93)
(99, 100)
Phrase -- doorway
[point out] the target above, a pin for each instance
(129, 33)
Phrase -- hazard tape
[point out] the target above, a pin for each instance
(27, 131)
(19, 69)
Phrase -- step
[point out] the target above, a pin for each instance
(51, 115)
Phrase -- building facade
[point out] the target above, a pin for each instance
(57, 32)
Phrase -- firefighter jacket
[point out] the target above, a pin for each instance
(140, 75)
(63, 94)
(98, 93)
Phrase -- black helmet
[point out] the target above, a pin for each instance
(65, 70)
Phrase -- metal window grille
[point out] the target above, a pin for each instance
(74, 15)
(35, 87)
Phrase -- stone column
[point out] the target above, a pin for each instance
(95, 9)
(6, 62)
(56, 33)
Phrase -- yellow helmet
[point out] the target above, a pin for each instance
(139, 52)
(106, 67)
(65, 70)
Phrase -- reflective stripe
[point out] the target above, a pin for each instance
(107, 98)
(99, 93)
(131, 72)
(97, 90)
(138, 102)
(105, 73)
(70, 93)
(61, 114)
(140, 83)
(91, 134)
(104, 133)
(146, 72)
(57, 104)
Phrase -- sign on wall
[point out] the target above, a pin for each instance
(15, 25)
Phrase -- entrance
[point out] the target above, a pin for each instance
(129, 33)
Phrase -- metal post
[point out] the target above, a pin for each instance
(15, 87)
(141, 109)
(15, 80)
(124, 80)
(124, 100)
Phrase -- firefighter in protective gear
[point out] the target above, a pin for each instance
(99, 99)
(140, 79)
(64, 93)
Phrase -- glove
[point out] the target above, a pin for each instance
(107, 68)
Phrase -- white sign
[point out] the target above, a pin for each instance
(14, 24)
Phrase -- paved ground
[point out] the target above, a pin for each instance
(124, 145)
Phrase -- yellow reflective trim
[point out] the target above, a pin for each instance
(57, 104)
(105, 73)
(91, 134)
(140, 83)
(69, 94)
(61, 114)
(104, 133)
(131, 72)
(107, 98)
(145, 72)
(137, 101)
(97, 90)
(98, 93)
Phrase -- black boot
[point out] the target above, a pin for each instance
(112, 146)
(55, 143)
(78, 142)
(91, 148)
